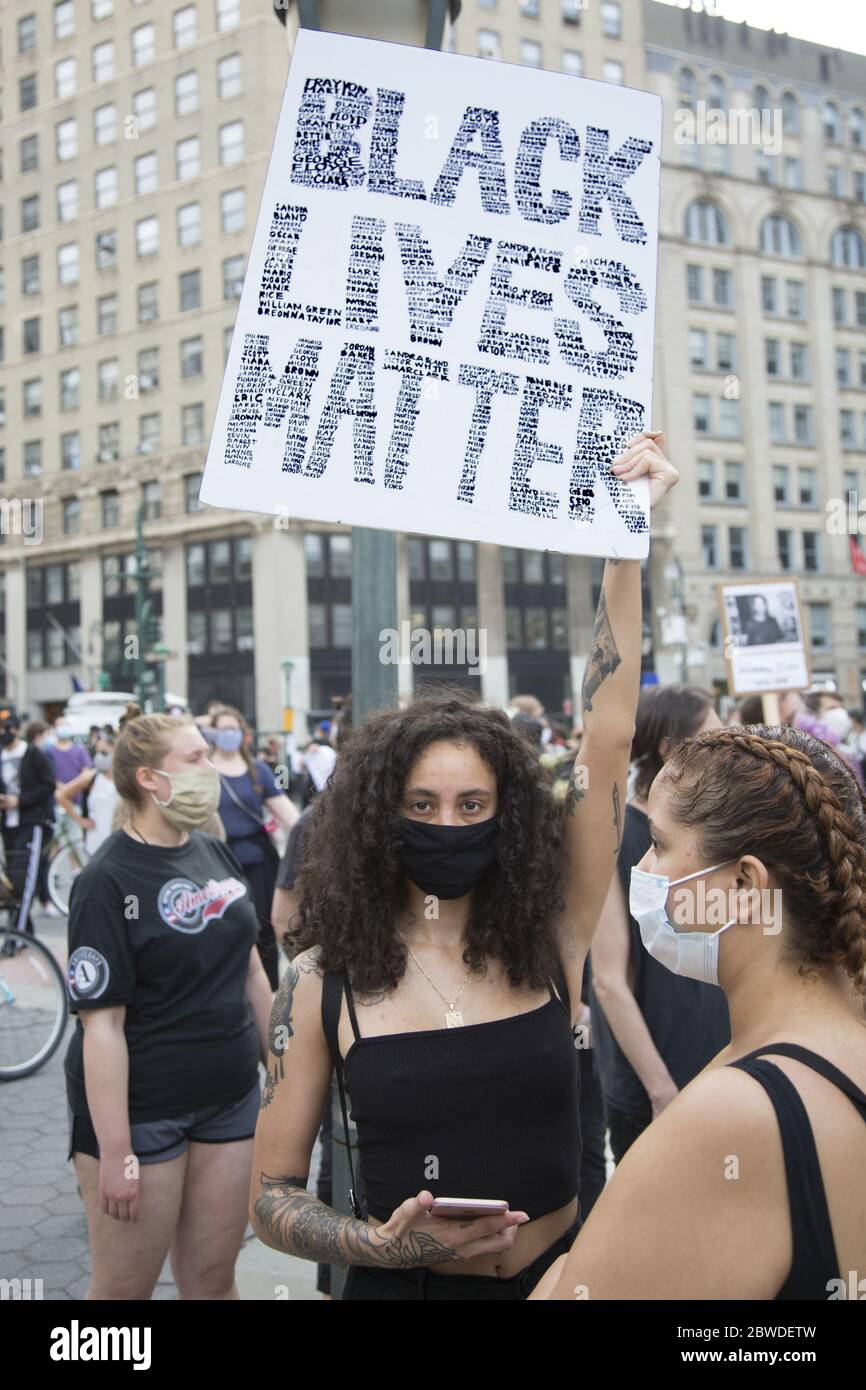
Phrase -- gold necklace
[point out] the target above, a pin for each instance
(453, 1017)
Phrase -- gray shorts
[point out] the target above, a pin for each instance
(156, 1141)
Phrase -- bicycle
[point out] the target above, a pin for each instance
(33, 1004)
(68, 859)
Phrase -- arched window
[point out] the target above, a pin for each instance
(706, 223)
(779, 237)
(717, 93)
(857, 127)
(761, 98)
(830, 120)
(688, 89)
(790, 114)
(848, 249)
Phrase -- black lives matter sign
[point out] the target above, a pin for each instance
(446, 324)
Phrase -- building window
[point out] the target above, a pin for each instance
(807, 487)
(701, 421)
(191, 488)
(847, 434)
(233, 277)
(109, 442)
(109, 503)
(698, 353)
(735, 482)
(105, 187)
(147, 236)
(70, 388)
(67, 325)
(776, 416)
(149, 432)
(101, 9)
(738, 548)
(148, 370)
(804, 432)
(790, 114)
(192, 424)
(31, 335)
(819, 626)
(706, 223)
(188, 158)
(710, 546)
(70, 451)
(66, 139)
(784, 549)
(706, 479)
(726, 352)
(184, 26)
(191, 357)
(189, 224)
(103, 62)
(233, 210)
(830, 121)
(144, 108)
(64, 19)
(145, 173)
(71, 516)
(148, 308)
(228, 13)
(572, 62)
(489, 45)
(106, 250)
(779, 237)
(772, 357)
(723, 288)
(231, 142)
(105, 124)
(730, 425)
(792, 172)
(795, 299)
(611, 19)
(29, 154)
(769, 296)
(32, 396)
(848, 249)
(67, 201)
(65, 78)
(186, 93)
(800, 370)
(108, 378)
(27, 33)
(612, 71)
(781, 484)
(229, 80)
(143, 45)
(32, 458)
(530, 53)
(31, 281)
(840, 306)
(834, 180)
(571, 11)
(189, 282)
(151, 496)
(811, 552)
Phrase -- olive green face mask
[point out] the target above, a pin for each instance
(194, 798)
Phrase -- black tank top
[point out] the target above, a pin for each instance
(486, 1110)
(814, 1262)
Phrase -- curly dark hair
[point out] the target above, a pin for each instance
(352, 888)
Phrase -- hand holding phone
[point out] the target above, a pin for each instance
(468, 1208)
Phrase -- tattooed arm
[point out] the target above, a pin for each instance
(595, 801)
(287, 1217)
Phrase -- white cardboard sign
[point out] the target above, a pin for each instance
(446, 324)
(762, 627)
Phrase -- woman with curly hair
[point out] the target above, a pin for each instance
(446, 907)
(749, 1184)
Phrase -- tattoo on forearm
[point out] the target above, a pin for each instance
(572, 797)
(279, 1032)
(294, 1220)
(603, 655)
(617, 817)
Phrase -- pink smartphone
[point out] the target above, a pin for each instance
(468, 1208)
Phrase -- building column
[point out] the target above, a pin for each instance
(16, 634)
(581, 616)
(280, 622)
(174, 617)
(490, 593)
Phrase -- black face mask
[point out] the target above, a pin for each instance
(8, 737)
(446, 860)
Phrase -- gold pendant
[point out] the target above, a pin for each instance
(453, 1018)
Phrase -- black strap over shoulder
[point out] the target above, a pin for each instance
(817, 1063)
(333, 986)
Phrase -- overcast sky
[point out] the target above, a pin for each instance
(836, 23)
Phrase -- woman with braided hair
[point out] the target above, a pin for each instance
(749, 1185)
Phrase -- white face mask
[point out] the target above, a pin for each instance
(839, 721)
(693, 954)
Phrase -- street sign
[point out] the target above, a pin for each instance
(446, 324)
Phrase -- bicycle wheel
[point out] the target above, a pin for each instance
(62, 873)
(33, 1009)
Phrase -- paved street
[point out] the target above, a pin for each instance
(43, 1232)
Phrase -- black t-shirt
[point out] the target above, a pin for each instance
(291, 860)
(687, 1019)
(166, 931)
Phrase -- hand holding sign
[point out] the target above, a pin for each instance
(644, 457)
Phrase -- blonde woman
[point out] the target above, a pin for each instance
(172, 1005)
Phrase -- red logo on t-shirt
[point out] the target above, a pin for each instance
(187, 907)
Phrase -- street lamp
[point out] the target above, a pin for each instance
(419, 22)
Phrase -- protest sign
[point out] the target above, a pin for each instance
(446, 324)
(762, 633)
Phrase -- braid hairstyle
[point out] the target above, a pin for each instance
(785, 797)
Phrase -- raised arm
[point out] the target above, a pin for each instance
(595, 801)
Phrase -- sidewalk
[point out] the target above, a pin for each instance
(43, 1232)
